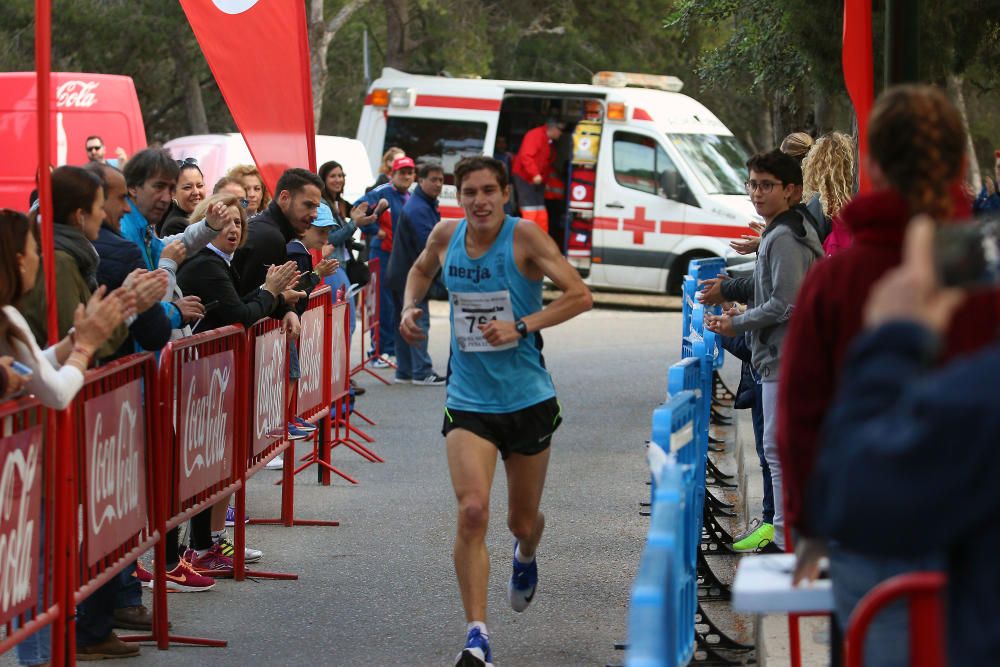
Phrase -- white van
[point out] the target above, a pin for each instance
(655, 179)
(218, 153)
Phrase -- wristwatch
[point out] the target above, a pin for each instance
(522, 328)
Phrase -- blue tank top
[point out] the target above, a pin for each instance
(493, 381)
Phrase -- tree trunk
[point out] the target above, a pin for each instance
(777, 119)
(766, 131)
(955, 85)
(321, 34)
(821, 113)
(195, 106)
(397, 16)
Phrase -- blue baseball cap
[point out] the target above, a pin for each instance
(325, 216)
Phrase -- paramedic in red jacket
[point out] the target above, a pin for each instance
(531, 167)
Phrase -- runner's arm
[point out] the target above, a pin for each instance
(420, 277)
(543, 252)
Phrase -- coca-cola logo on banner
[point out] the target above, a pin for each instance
(311, 359)
(207, 425)
(77, 94)
(269, 408)
(338, 374)
(115, 448)
(20, 521)
(371, 300)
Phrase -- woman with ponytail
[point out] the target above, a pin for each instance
(915, 162)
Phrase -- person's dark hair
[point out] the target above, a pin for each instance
(94, 136)
(14, 230)
(148, 163)
(73, 188)
(224, 181)
(468, 165)
(96, 168)
(783, 166)
(188, 166)
(916, 137)
(295, 179)
(428, 168)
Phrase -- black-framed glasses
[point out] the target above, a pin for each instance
(764, 186)
(187, 161)
(94, 148)
(244, 202)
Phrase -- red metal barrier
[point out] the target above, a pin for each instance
(342, 427)
(368, 314)
(201, 384)
(927, 639)
(116, 457)
(27, 509)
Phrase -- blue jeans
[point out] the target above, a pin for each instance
(129, 589)
(739, 348)
(387, 306)
(413, 362)
(853, 575)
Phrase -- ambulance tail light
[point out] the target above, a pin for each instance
(380, 97)
(401, 97)
(671, 84)
(616, 111)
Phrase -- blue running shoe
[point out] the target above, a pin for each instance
(295, 433)
(303, 425)
(522, 584)
(477, 651)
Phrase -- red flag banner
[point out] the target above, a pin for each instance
(258, 51)
(859, 75)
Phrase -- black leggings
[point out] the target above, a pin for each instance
(201, 537)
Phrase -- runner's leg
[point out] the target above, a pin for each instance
(525, 482)
(472, 461)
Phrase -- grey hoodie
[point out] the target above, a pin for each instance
(788, 247)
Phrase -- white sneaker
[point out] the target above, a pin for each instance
(432, 380)
(277, 463)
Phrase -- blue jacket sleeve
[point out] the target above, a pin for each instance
(917, 447)
(371, 197)
(173, 314)
(151, 329)
(342, 234)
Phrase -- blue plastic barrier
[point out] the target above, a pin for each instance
(708, 267)
(661, 610)
(688, 289)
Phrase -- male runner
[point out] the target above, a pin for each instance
(500, 398)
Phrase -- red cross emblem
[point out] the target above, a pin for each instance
(639, 225)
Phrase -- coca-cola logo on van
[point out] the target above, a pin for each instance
(80, 94)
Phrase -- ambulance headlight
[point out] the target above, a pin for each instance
(401, 97)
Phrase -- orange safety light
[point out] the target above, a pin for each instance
(616, 111)
(380, 97)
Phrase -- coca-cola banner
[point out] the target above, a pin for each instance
(269, 389)
(258, 51)
(339, 372)
(115, 447)
(311, 359)
(370, 297)
(207, 425)
(20, 521)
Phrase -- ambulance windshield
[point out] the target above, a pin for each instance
(718, 162)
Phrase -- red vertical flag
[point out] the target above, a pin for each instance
(258, 51)
(859, 75)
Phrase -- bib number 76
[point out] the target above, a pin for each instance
(480, 320)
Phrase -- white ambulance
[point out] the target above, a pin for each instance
(654, 178)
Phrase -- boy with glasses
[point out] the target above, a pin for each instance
(788, 246)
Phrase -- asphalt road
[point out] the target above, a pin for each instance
(380, 589)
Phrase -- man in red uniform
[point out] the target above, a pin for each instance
(531, 168)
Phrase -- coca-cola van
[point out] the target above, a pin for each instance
(652, 179)
(85, 104)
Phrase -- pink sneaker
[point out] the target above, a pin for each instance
(212, 563)
(185, 580)
(144, 576)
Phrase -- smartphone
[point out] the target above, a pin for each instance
(967, 254)
(211, 305)
(20, 368)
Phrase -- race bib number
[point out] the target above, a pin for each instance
(473, 309)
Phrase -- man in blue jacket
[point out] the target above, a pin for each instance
(396, 192)
(420, 214)
(906, 448)
(151, 177)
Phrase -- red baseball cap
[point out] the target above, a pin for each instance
(403, 163)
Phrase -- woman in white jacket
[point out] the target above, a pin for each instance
(56, 372)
